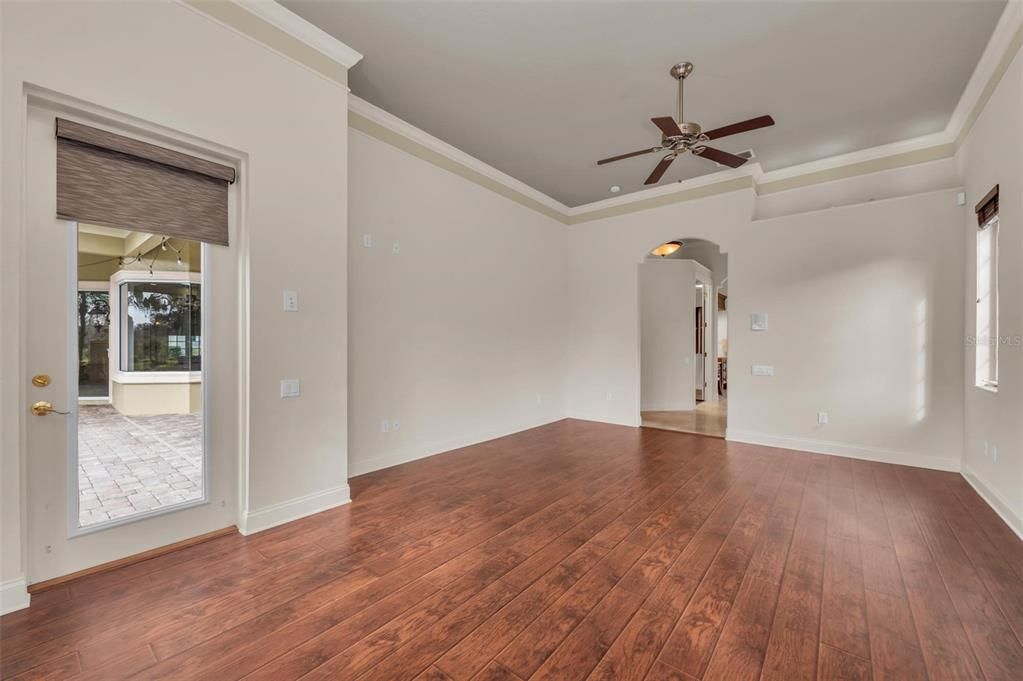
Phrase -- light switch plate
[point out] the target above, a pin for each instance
(763, 370)
(291, 387)
(290, 300)
(758, 321)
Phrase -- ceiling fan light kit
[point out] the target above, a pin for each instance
(679, 136)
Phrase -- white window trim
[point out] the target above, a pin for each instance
(989, 385)
(117, 375)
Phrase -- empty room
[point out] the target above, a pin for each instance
(511, 340)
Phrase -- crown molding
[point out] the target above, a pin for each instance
(281, 30)
(1001, 49)
(279, 16)
(387, 127)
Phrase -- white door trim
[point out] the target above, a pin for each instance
(16, 191)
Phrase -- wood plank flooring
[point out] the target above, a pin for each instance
(709, 418)
(575, 551)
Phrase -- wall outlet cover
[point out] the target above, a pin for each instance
(291, 387)
(763, 370)
(290, 300)
(758, 321)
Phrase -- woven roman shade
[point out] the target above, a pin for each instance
(117, 181)
(988, 207)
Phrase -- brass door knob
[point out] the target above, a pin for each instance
(40, 380)
(42, 408)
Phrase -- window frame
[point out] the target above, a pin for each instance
(117, 373)
(989, 230)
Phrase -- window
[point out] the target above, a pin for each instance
(986, 340)
(160, 326)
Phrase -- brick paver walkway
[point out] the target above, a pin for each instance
(132, 464)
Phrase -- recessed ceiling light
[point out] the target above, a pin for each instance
(614, 189)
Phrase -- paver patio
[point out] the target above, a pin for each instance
(133, 464)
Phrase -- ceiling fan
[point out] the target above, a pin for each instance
(678, 137)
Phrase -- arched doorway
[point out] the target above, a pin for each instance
(683, 304)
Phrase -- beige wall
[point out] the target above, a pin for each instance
(459, 336)
(853, 294)
(143, 399)
(667, 294)
(283, 120)
(993, 154)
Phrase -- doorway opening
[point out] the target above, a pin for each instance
(140, 354)
(684, 338)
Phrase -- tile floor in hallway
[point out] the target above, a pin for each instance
(133, 464)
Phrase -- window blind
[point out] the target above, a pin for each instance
(988, 207)
(113, 180)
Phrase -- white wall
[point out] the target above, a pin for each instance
(864, 323)
(852, 294)
(990, 155)
(168, 65)
(667, 331)
(459, 336)
(604, 296)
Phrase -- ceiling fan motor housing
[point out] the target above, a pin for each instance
(690, 129)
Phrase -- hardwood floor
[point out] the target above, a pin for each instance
(573, 551)
(709, 418)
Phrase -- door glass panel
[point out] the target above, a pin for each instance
(140, 417)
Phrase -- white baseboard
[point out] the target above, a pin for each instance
(293, 509)
(995, 501)
(842, 449)
(13, 595)
(360, 466)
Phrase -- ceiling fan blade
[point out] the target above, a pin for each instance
(668, 126)
(722, 157)
(736, 128)
(655, 176)
(629, 155)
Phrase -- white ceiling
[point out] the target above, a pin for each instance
(541, 90)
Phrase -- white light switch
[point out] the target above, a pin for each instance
(763, 370)
(291, 387)
(367, 241)
(758, 321)
(290, 300)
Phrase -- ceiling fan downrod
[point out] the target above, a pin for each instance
(679, 72)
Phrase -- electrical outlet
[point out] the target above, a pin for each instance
(291, 387)
(822, 418)
(290, 300)
(396, 247)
